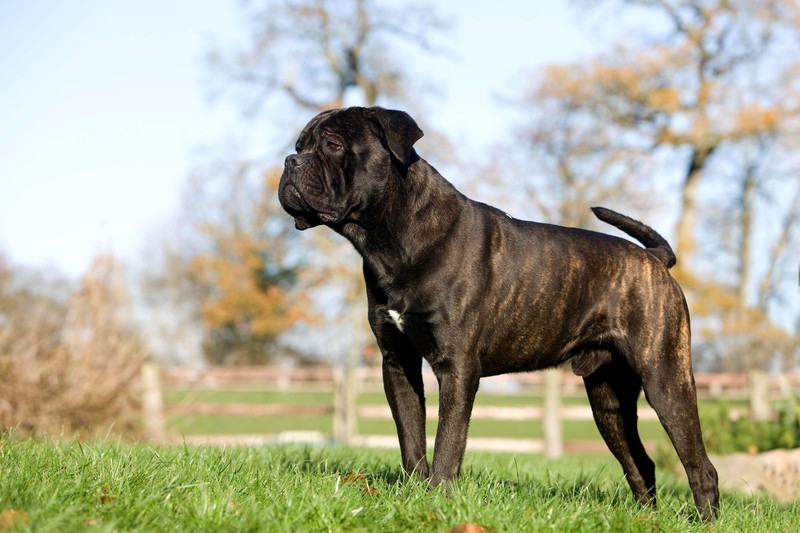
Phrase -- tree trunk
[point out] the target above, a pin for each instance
(745, 242)
(685, 243)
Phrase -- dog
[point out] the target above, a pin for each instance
(476, 293)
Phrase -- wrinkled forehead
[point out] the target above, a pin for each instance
(350, 124)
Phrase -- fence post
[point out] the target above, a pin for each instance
(153, 402)
(551, 419)
(759, 390)
(344, 404)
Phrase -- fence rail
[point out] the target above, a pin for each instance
(708, 385)
(758, 388)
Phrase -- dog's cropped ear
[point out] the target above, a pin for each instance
(399, 130)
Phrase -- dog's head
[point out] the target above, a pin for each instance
(344, 160)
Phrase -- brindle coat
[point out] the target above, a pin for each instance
(477, 293)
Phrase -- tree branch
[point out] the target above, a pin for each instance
(789, 223)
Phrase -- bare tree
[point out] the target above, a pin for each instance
(311, 52)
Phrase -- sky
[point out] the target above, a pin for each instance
(103, 108)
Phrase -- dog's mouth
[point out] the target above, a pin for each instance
(305, 216)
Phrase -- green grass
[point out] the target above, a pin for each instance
(107, 486)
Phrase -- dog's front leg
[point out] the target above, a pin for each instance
(458, 384)
(402, 382)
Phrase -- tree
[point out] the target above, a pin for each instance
(247, 278)
(708, 95)
(309, 53)
(227, 268)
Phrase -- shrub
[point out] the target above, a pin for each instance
(68, 366)
(723, 435)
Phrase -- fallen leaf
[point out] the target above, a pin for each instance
(369, 490)
(353, 477)
(13, 518)
(471, 528)
(105, 497)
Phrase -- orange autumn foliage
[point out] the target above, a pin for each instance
(245, 296)
(247, 299)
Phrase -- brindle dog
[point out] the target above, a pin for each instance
(477, 293)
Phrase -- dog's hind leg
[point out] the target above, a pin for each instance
(613, 390)
(670, 389)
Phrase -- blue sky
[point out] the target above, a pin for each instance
(102, 105)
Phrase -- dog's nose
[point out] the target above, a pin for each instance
(291, 161)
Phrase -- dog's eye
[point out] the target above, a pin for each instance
(333, 146)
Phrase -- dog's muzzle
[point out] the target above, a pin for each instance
(298, 193)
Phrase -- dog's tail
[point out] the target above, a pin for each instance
(653, 242)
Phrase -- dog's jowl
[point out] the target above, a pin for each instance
(478, 293)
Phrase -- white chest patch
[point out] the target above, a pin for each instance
(397, 319)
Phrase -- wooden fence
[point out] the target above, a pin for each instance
(757, 388)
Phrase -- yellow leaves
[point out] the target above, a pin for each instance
(661, 85)
(712, 297)
(755, 118)
(627, 86)
(751, 322)
(745, 332)
(272, 178)
(624, 78)
(561, 81)
(665, 100)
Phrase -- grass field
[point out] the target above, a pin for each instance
(107, 486)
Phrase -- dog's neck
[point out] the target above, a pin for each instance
(420, 199)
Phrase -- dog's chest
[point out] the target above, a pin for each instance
(416, 326)
(396, 318)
